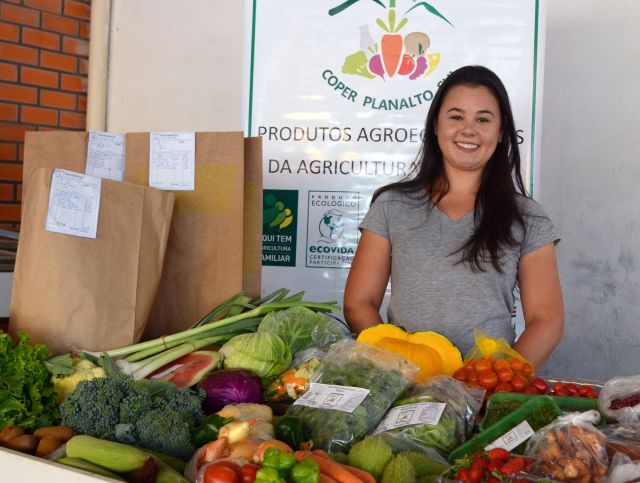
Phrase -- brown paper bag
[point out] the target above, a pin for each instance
(205, 253)
(214, 248)
(96, 294)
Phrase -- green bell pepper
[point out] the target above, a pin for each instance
(292, 430)
(280, 461)
(268, 475)
(208, 430)
(306, 471)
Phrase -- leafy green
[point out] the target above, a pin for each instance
(301, 328)
(357, 64)
(262, 352)
(335, 431)
(26, 393)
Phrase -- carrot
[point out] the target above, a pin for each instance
(391, 52)
(331, 468)
(326, 479)
(363, 475)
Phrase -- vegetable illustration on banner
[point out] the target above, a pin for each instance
(393, 54)
(279, 227)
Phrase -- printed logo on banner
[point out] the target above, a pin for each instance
(387, 52)
(332, 228)
(279, 227)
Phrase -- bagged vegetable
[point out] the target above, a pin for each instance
(570, 449)
(353, 388)
(619, 399)
(438, 415)
(301, 328)
(293, 382)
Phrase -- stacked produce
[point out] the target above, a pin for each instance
(278, 390)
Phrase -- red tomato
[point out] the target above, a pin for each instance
(572, 388)
(248, 473)
(221, 472)
(584, 390)
(558, 386)
(592, 394)
(480, 463)
(531, 390)
(476, 474)
(540, 385)
(463, 475)
(498, 454)
(560, 392)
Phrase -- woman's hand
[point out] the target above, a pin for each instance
(542, 306)
(367, 281)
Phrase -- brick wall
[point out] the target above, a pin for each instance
(44, 49)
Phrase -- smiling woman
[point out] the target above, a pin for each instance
(459, 235)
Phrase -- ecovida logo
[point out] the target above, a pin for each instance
(386, 54)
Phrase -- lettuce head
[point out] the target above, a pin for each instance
(263, 353)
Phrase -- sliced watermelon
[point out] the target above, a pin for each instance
(188, 370)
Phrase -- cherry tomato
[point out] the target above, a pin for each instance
(558, 386)
(561, 392)
(248, 473)
(583, 390)
(221, 472)
(540, 385)
(592, 394)
(463, 475)
(572, 389)
(531, 390)
(476, 474)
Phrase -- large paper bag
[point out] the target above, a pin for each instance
(205, 251)
(96, 294)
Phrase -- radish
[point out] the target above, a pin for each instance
(375, 65)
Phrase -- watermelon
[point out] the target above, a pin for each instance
(188, 370)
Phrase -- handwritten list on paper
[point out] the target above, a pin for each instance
(74, 204)
(172, 160)
(105, 155)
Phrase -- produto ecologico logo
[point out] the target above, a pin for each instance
(332, 228)
(279, 227)
(386, 52)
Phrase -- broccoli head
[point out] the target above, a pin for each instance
(167, 431)
(357, 64)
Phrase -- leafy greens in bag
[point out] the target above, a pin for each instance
(350, 363)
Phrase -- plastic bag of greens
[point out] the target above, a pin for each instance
(302, 328)
(438, 415)
(351, 391)
(295, 381)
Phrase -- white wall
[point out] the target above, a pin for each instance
(177, 65)
(590, 170)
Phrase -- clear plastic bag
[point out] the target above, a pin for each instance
(622, 469)
(487, 347)
(461, 401)
(353, 364)
(619, 399)
(293, 382)
(570, 449)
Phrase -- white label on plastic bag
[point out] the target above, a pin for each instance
(330, 396)
(172, 160)
(105, 155)
(74, 203)
(410, 414)
(513, 438)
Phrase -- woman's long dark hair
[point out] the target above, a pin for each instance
(495, 208)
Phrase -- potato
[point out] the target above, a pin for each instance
(10, 432)
(27, 443)
(47, 445)
(61, 433)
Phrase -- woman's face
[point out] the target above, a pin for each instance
(468, 128)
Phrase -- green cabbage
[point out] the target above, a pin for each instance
(263, 353)
(302, 328)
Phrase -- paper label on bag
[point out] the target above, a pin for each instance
(105, 155)
(513, 438)
(410, 414)
(330, 396)
(74, 204)
(172, 160)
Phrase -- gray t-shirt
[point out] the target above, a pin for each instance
(429, 291)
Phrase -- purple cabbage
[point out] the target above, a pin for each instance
(230, 386)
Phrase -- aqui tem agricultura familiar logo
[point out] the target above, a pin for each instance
(279, 227)
(389, 50)
(332, 228)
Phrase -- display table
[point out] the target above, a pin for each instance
(21, 467)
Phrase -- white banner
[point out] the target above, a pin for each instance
(340, 89)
